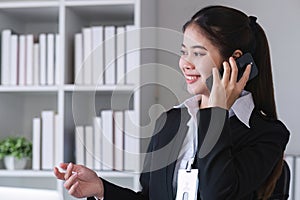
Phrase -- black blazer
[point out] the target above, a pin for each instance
(234, 161)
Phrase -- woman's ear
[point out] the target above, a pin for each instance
(237, 53)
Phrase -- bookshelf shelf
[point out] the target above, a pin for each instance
(117, 88)
(31, 19)
(25, 173)
(39, 12)
(102, 2)
(28, 4)
(29, 88)
(101, 13)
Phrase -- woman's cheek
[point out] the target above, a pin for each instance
(181, 63)
(204, 71)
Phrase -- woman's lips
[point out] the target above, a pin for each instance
(190, 79)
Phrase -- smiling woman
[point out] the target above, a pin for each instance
(226, 143)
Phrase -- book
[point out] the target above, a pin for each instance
(29, 59)
(14, 60)
(79, 145)
(131, 141)
(58, 140)
(5, 56)
(97, 55)
(47, 139)
(89, 147)
(132, 54)
(57, 60)
(36, 144)
(36, 64)
(107, 139)
(87, 58)
(22, 60)
(97, 143)
(43, 64)
(118, 141)
(78, 71)
(50, 59)
(109, 58)
(120, 55)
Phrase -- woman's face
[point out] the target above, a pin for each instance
(198, 58)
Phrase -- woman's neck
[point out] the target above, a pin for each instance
(204, 102)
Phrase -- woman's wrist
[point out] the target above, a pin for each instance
(100, 195)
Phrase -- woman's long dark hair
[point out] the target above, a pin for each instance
(229, 29)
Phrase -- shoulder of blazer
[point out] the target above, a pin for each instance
(167, 124)
(274, 127)
(173, 115)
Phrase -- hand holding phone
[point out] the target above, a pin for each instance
(242, 63)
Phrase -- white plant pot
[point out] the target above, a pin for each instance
(12, 163)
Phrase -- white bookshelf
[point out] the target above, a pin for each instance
(70, 88)
(25, 173)
(20, 104)
(29, 89)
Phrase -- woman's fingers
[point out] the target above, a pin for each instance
(59, 174)
(71, 181)
(69, 171)
(72, 185)
(216, 75)
(74, 190)
(77, 179)
(234, 70)
(226, 74)
(226, 90)
(63, 165)
(243, 81)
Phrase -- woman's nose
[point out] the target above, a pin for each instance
(188, 66)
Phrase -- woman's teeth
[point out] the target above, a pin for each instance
(192, 77)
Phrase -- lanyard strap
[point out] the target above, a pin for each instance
(189, 165)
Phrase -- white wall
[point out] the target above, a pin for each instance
(281, 21)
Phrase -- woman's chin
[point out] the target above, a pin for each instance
(193, 90)
(196, 90)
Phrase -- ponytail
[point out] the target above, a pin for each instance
(266, 190)
(261, 86)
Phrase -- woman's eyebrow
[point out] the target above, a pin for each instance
(198, 47)
(195, 47)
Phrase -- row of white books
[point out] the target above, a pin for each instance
(111, 143)
(106, 55)
(26, 62)
(46, 143)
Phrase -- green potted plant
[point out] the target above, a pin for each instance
(15, 151)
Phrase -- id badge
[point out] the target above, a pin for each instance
(187, 184)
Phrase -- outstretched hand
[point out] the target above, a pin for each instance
(80, 181)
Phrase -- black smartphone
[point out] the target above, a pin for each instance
(242, 63)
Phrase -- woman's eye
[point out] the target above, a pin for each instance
(184, 53)
(198, 54)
